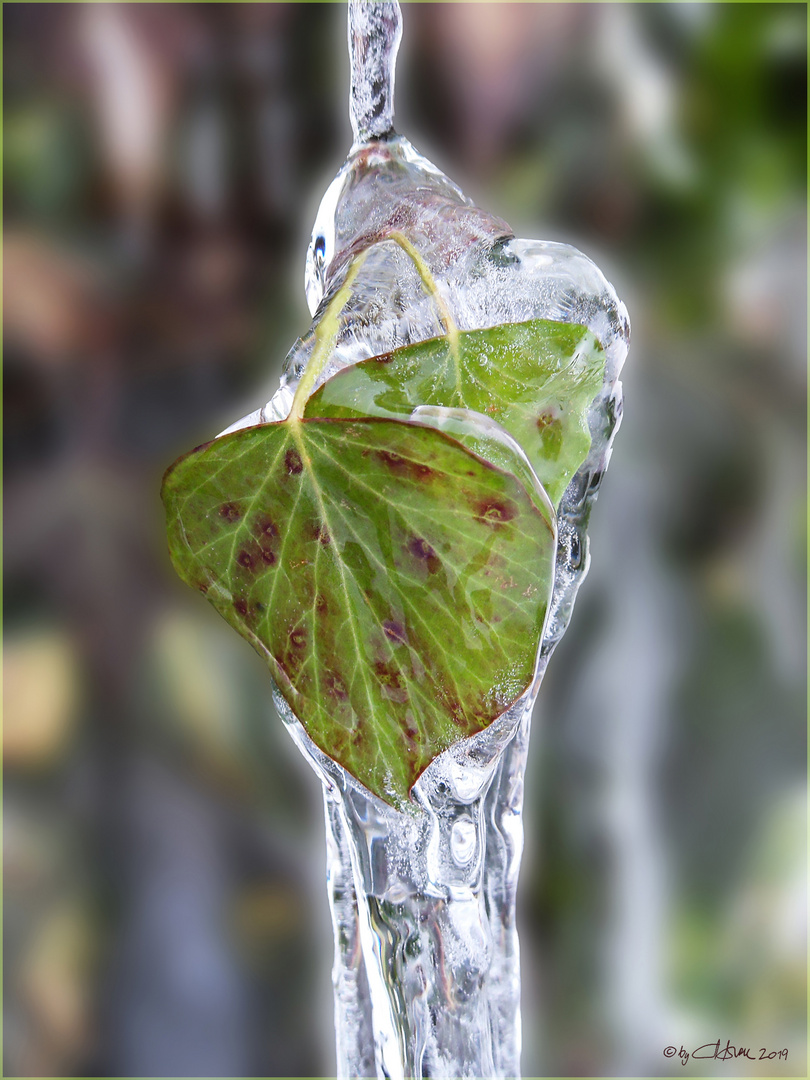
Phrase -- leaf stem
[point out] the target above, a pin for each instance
(325, 336)
(429, 282)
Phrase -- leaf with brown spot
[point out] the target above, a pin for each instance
(398, 636)
(536, 379)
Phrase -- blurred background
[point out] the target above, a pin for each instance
(165, 906)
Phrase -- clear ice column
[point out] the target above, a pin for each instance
(426, 962)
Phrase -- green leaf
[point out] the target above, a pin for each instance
(537, 379)
(395, 583)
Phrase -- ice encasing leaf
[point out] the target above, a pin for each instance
(395, 583)
(537, 379)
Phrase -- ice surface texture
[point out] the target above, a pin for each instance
(426, 968)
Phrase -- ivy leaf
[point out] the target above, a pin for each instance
(537, 379)
(395, 583)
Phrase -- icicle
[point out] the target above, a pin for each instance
(375, 31)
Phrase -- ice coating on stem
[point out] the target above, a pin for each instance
(387, 186)
(375, 31)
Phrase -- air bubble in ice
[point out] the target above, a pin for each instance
(462, 841)
(397, 893)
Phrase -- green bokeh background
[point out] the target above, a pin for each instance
(165, 910)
